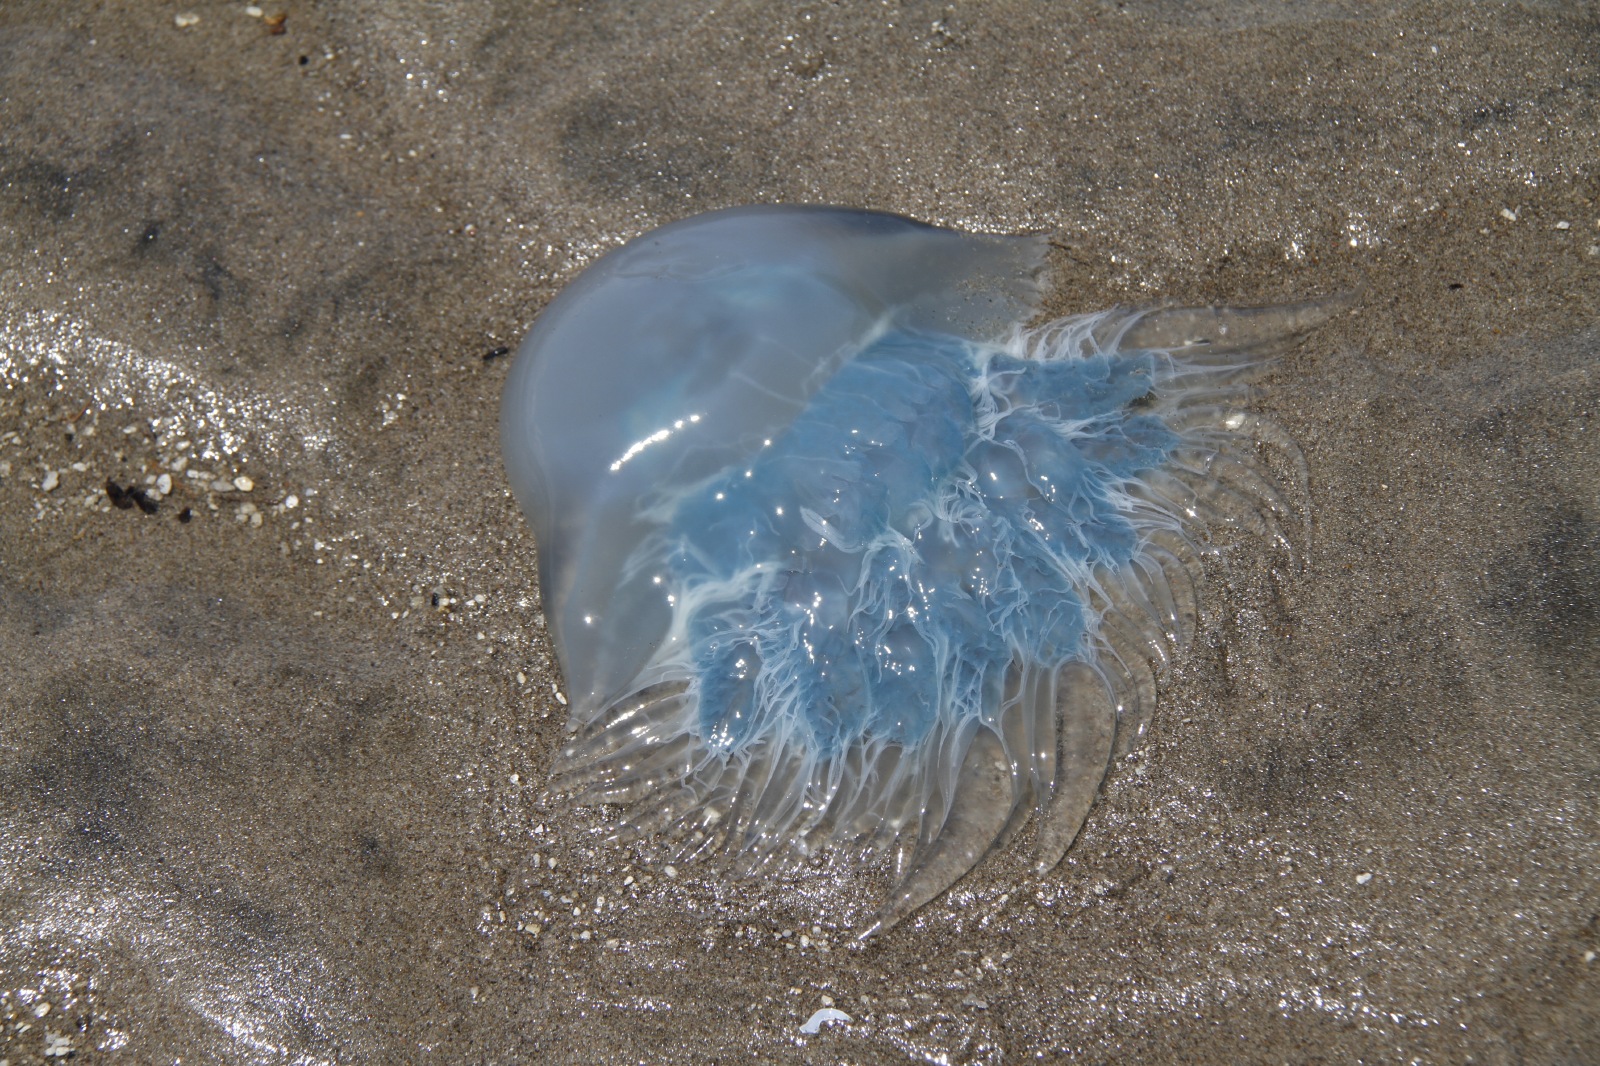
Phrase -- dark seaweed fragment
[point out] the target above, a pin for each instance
(132, 496)
(118, 495)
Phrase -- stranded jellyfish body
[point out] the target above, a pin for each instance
(836, 551)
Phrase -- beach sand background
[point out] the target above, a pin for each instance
(271, 777)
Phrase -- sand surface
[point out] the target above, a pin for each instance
(271, 777)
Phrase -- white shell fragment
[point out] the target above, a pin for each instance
(822, 1017)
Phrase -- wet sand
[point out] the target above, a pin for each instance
(271, 757)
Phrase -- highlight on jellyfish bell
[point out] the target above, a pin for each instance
(837, 552)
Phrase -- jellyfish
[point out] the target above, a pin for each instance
(838, 550)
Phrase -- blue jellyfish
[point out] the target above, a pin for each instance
(838, 551)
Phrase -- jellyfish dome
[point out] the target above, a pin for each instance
(837, 550)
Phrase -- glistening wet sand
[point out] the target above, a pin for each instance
(263, 798)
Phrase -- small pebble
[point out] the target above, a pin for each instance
(244, 484)
(1563, 225)
(290, 502)
(164, 484)
(1362, 879)
(1508, 214)
(51, 480)
(670, 871)
(254, 12)
(185, 20)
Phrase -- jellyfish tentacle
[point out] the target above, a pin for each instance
(1209, 502)
(627, 751)
(775, 811)
(1043, 737)
(1126, 597)
(980, 807)
(1086, 726)
(1026, 724)
(1250, 482)
(655, 765)
(1145, 573)
(1229, 331)
(639, 714)
(1286, 501)
(1206, 422)
(656, 815)
(744, 826)
(1204, 404)
(1233, 489)
(1132, 688)
(1248, 426)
